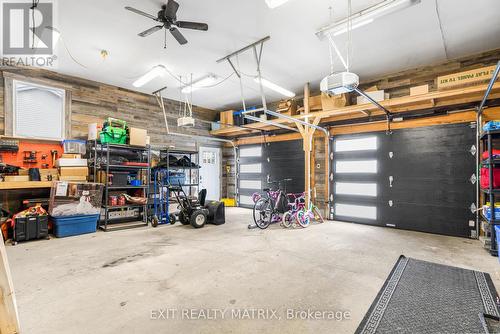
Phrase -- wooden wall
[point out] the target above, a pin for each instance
(93, 102)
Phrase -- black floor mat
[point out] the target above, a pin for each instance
(425, 297)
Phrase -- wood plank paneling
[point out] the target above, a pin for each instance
(93, 102)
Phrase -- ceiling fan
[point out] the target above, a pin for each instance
(167, 17)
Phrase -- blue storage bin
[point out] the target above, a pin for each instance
(74, 225)
(487, 212)
(497, 234)
(491, 125)
(175, 177)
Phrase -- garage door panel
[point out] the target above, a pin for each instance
(433, 219)
(423, 179)
(277, 160)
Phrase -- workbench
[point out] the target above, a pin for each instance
(25, 185)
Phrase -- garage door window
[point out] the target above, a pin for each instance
(357, 189)
(255, 151)
(251, 168)
(251, 184)
(358, 211)
(356, 167)
(358, 144)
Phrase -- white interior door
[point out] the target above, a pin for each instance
(210, 172)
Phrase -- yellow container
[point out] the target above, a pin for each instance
(228, 202)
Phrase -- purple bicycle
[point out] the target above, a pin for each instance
(269, 207)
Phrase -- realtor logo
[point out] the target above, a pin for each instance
(25, 28)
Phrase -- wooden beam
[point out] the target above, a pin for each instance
(9, 318)
(462, 117)
(395, 105)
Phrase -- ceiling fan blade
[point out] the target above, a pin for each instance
(192, 25)
(140, 12)
(178, 36)
(150, 31)
(171, 10)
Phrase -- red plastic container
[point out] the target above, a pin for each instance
(495, 152)
(485, 178)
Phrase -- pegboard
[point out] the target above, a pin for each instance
(16, 158)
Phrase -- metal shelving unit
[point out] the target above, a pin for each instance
(192, 173)
(99, 158)
(490, 193)
(159, 197)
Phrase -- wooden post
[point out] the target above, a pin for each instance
(9, 318)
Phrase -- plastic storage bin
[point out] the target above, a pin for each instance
(485, 178)
(491, 126)
(487, 211)
(497, 232)
(31, 227)
(74, 225)
(175, 178)
(74, 146)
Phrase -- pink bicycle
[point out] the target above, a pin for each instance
(296, 205)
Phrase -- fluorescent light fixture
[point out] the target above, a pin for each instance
(366, 16)
(275, 3)
(199, 84)
(275, 87)
(354, 26)
(155, 72)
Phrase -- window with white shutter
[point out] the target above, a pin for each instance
(38, 111)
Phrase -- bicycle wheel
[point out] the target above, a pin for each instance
(317, 214)
(262, 213)
(287, 219)
(303, 218)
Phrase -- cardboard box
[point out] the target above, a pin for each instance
(71, 156)
(288, 107)
(138, 137)
(419, 90)
(226, 118)
(476, 76)
(74, 171)
(63, 162)
(315, 103)
(73, 178)
(94, 131)
(49, 174)
(378, 96)
(329, 102)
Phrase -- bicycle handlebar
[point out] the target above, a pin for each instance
(279, 181)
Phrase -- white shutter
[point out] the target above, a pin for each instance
(38, 111)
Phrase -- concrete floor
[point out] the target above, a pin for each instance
(112, 282)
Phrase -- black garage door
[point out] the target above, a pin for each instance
(415, 179)
(270, 161)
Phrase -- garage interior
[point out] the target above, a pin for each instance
(263, 166)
